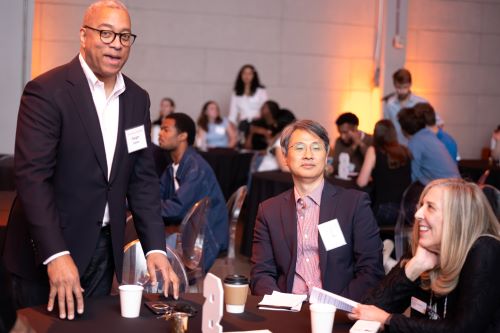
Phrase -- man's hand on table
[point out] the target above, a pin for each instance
(65, 284)
(159, 262)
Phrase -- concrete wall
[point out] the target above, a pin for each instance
(191, 50)
(314, 56)
(15, 20)
(454, 49)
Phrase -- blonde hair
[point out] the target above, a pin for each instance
(467, 215)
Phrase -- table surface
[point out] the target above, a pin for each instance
(103, 315)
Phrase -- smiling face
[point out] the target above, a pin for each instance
(430, 219)
(105, 60)
(309, 162)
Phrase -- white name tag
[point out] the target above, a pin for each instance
(136, 139)
(331, 234)
(220, 130)
(418, 305)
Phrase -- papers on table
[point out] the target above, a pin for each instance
(282, 302)
(365, 326)
(322, 296)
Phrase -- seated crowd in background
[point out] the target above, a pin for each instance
(188, 179)
(388, 164)
(430, 121)
(263, 128)
(213, 130)
(272, 158)
(351, 140)
(167, 106)
(451, 279)
(431, 159)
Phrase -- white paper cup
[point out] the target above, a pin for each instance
(322, 316)
(130, 300)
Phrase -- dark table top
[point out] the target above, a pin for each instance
(103, 315)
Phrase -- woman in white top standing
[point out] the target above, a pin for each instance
(247, 98)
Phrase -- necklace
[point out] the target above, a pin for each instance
(432, 308)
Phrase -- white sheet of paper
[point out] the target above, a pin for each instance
(282, 302)
(331, 234)
(322, 296)
(136, 138)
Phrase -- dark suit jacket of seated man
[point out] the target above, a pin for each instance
(195, 180)
(349, 270)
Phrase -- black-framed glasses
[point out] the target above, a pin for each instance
(108, 36)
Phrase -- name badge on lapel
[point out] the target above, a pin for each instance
(136, 138)
(331, 234)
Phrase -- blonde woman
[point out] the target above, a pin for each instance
(452, 280)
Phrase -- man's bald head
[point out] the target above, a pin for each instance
(96, 6)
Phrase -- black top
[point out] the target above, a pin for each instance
(389, 183)
(7, 311)
(473, 306)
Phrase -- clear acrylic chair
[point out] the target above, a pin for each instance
(233, 205)
(135, 269)
(406, 217)
(189, 244)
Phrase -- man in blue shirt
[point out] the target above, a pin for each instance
(430, 121)
(188, 179)
(430, 160)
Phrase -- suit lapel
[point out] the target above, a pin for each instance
(326, 213)
(84, 104)
(125, 105)
(289, 225)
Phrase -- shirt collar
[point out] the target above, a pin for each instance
(94, 81)
(315, 195)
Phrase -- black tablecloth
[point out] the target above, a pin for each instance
(103, 315)
(473, 169)
(230, 166)
(264, 186)
(7, 173)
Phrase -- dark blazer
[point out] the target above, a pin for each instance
(61, 175)
(349, 270)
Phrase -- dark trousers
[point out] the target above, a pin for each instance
(96, 280)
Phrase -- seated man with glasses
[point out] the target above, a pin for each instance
(316, 234)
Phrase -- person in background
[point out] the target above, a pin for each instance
(451, 280)
(167, 106)
(82, 155)
(264, 128)
(247, 99)
(213, 130)
(430, 160)
(188, 179)
(495, 145)
(351, 141)
(273, 159)
(388, 164)
(401, 98)
(290, 253)
(430, 121)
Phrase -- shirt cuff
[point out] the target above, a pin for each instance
(55, 256)
(156, 251)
